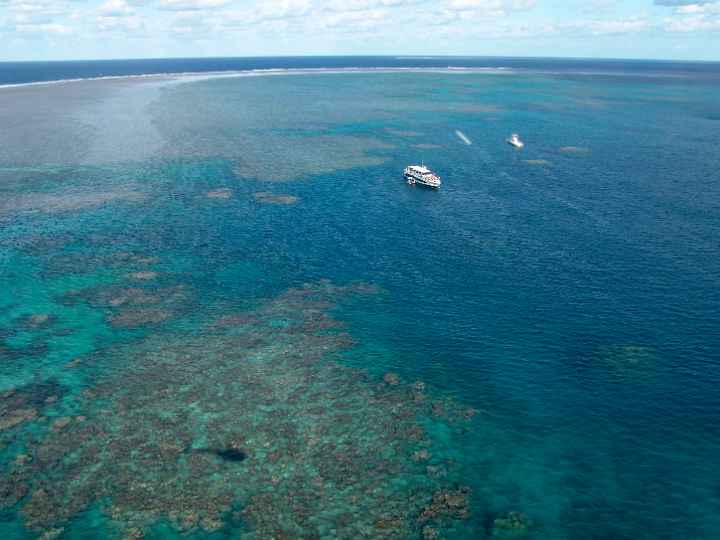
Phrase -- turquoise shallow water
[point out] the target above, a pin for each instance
(224, 314)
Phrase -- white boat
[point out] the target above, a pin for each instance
(515, 141)
(420, 174)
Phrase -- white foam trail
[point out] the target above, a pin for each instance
(463, 137)
(204, 75)
(103, 78)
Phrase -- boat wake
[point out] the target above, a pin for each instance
(464, 138)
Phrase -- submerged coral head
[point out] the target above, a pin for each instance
(230, 454)
(226, 454)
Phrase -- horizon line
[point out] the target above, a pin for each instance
(395, 56)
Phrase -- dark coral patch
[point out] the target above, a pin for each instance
(234, 455)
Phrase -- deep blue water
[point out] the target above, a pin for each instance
(567, 292)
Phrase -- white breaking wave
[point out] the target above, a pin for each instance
(102, 78)
(464, 138)
(204, 75)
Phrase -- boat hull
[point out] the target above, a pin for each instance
(414, 181)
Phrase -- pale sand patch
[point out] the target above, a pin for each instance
(274, 198)
(574, 150)
(39, 319)
(222, 193)
(61, 422)
(73, 363)
(144, 275)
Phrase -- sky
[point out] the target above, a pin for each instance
(79, 29)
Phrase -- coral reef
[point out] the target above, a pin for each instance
(391, 378)
(36, 347)
(23, 404)
(14, 417)
(251, 421)
(18, 407)
(37, 320)
(627, 361)
(13, 486)
(143, 275)
(447, 504)
(90, 261)
(222, 193)
(628, 355)
(65, 202)
(512, 526)
(132, 307)
(228, 454)
(289, 157)
(52, 534)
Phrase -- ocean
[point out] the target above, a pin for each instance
(29, 72)
(224, 314)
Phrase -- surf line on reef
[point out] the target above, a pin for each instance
(191, 76)
(464, 138)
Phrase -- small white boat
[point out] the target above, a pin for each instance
(514, 140)
(420, 174)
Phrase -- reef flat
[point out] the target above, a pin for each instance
(254, 423)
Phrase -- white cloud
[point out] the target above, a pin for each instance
(699, 8)
(364, 5)
(282, 9)
(48, 28)
(191, 25)
(693, 17)
(33, 18)
(191, 5)
(601, 5)
(493, 7)
(692, 24)
(48, 7)
(268, 14)
(317, 26)
(356, 20)
(681, 2)
(115, 8)
(622, 26)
